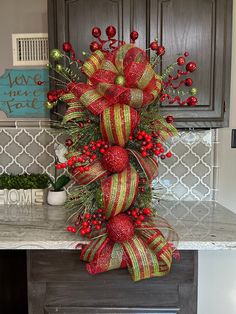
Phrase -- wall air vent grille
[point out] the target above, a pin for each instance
(30, 49)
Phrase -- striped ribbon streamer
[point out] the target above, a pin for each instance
(75, 108)
(96, 172)
(93, 63)
(102, 255)
(148, 164)
(117, 123)
(165, 130)
(119, 191)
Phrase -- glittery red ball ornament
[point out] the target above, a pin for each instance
(192, 101)
(110, 31)
(191, 66)
(96, 32)
(115, 159)
(181, 61)
(94, 46)
(160, 50)
(169, 119)
(67, 47)
(134, 35)
(120, 228)
(154, 45)
(188, 81)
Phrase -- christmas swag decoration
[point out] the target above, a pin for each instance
(116, 136)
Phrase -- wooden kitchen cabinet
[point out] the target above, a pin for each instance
(201, 27)
(59, 283)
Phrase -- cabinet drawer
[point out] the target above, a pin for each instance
(90, 310)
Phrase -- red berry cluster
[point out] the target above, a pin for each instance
(92, 222)
(100, 43)
(54, 95)
(160, 50)
(138, 215)
(149, 145)
(88, 223)
(89, 154)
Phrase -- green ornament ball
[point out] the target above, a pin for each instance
(120, 80)
(99, 198)
(59, 67)
(49, 105)
(56, 54)
(193, 91)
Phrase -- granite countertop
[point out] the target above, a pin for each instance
(200, 226)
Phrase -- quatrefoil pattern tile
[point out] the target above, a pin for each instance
(187, 175)
(28, 150)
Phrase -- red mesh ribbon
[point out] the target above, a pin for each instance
(141, 84)
(147, 254)
(119, 191)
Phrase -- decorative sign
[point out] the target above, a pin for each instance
(22, 197)
(20, 95)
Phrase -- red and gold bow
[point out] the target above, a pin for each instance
(147, 254)
(124, 76)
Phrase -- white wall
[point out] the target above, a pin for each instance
(19, 16)
(227, 155)
(217, 282)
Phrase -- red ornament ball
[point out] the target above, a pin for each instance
(192, 101)
(94, 46)
(181, 61)
(154, 45)
(188, 81)
(96, 32)
(52, 96)
(191, 66)
(134, 35)
(186, 54)
(169, 119)
(69, 142)
(115, 159)
(160, 50)
(120, 228)
(110, 31)
(67, 47)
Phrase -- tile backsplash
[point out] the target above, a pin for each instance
(188, 175)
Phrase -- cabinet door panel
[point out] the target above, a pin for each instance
(199, 27)
(202, 27)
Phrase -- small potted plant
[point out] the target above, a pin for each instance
(57, 194)
(23, 189)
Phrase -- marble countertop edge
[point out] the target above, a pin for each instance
(72, 245)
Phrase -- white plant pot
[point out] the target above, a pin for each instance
(56, 197)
